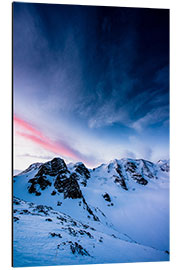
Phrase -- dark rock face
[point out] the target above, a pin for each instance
(83, 171)
(43, 209)
(48, 219)
(16, 201)
(50, 168)
(120, 180)
(106, 197)
(59, 203)
(89, 210)
(53, 167)
(69, 186)
(164, 167)
(53, 193)
(15, 219)
(61, 182)
(38, 182)
(132, 169)
(64, 182)
(139, 179)
(78, 249)
(56, 235)
(146, 170)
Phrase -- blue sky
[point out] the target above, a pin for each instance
(90, 83)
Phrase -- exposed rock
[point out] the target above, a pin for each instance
(83, 232)
(16, 201)
(15, 219)
(43, 209)
(101, 239)
(110, 204)
(48, 219)
(59, 203)
(38, 193)
(69, 186)
(131, 167)
(38, 182)
(164, 165)
(106, 197)
(56, 235)
(133, 170)
(78, 249)
(53, 193)
(90, 211)
(53, 167)
(120, 180)
(83, 171)
(139, 179)
(146, 170)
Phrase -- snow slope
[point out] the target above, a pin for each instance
(44, 237)
(123, 205)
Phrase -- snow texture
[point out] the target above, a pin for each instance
(69, 214)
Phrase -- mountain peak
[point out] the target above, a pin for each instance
(33, 166)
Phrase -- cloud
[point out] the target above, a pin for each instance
(129, 154)
(18, 121)
(92, 74)
(141, 148)
(34, 135)
(156, 116)
(107, 115)
(36, 156)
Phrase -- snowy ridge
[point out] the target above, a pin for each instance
(124, 202)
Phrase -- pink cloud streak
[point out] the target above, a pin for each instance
(37, 137)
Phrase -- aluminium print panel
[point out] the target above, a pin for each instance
(90, 134)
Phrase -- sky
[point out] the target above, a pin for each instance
(90, 83)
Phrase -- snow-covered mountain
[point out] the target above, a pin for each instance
(69, 214)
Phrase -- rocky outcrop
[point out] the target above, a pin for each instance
(132, 169)
(139, 179)
(53, 167)
(81, 169)
(145, 169)
(121, 182)
(164, 165)
(121, 179)
(89, 210)
(106, 197)
(68, 185)
(78, 249)
(38, 183)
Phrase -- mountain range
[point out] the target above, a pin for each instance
(68, 214)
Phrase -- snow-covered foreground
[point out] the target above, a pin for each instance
(67, 214)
